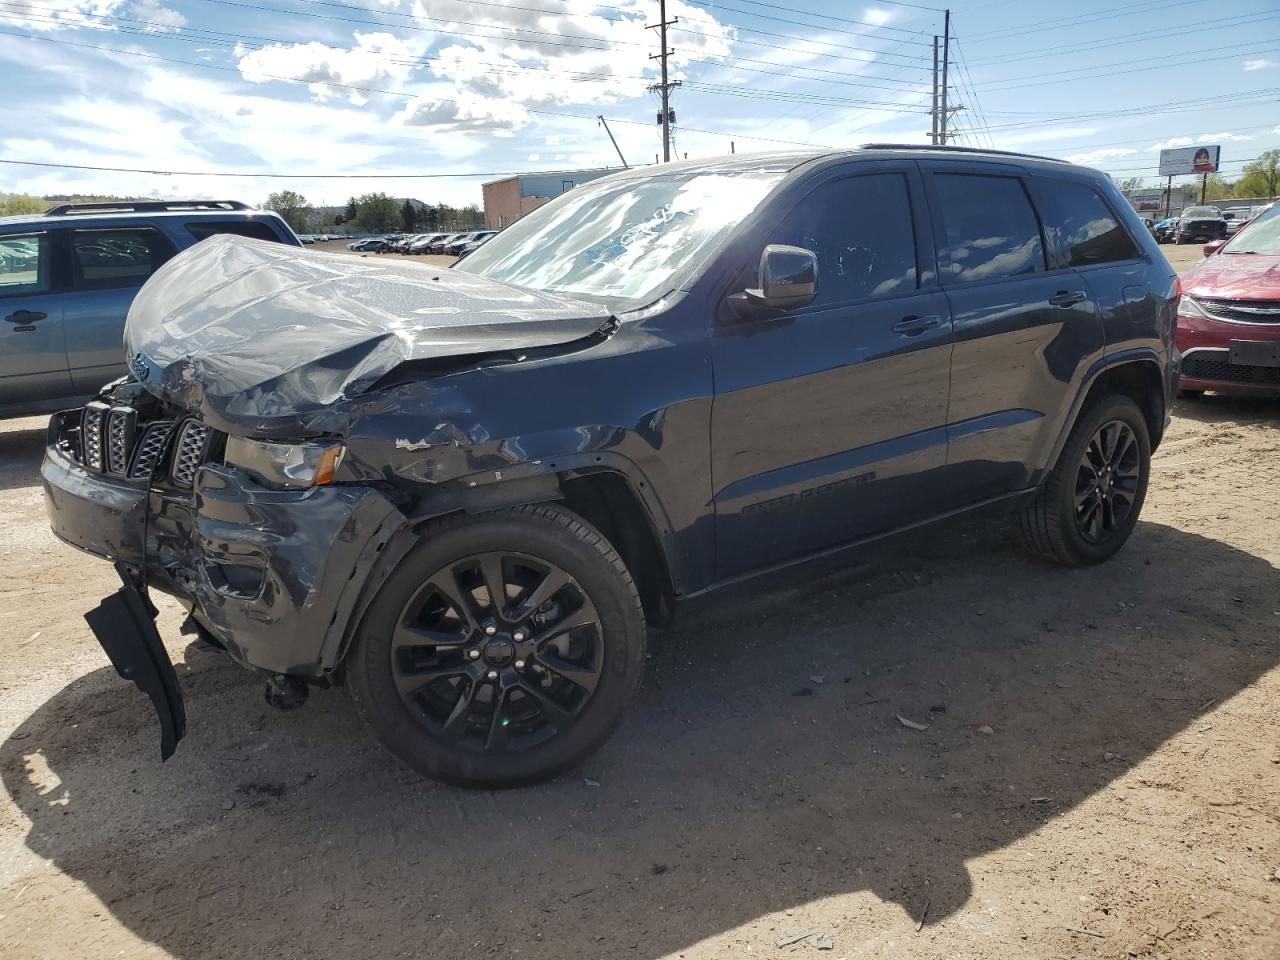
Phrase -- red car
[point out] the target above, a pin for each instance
(1229, 316)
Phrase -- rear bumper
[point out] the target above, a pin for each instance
(276, 577)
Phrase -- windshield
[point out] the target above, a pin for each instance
(1260, 235)
(624, 239)
(1201, 212)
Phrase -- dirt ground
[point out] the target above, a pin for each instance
(1098, 778)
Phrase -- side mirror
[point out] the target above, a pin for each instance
(787, 278)
(1212, 247)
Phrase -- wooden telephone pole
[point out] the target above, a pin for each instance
(666, 117)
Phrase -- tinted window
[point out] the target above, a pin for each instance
(991, 230)
(1081, 224)
(24, 264)
(243, 228)
(102, 259)
(861, 230)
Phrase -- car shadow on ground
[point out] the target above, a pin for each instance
(762, 769)
(1224, 408)
(20, 454)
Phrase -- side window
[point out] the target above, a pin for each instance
(24, 264)
(991, 229)
(107, 259)
(200, 229)
(1080, 223)
(861, 230)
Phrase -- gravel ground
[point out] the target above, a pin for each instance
(1098, 777)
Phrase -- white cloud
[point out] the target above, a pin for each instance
(376, 60)
(1094, 157)
(1250, 65)
(159, 19)
(1174, 142)
(877, 16)
(49, 15)
(469, 112)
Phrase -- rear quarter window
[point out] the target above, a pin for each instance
(1080, 225)
(990, 228)
(113, 258)
(257, 229)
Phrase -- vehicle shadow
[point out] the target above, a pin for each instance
(1224, 408)
(763, 768)
(20, 454)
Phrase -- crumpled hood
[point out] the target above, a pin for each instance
(1235, 276)
(248, 332)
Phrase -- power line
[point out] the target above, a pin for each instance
(812, 26)
(391, 93)
(286, 176)
(516, 69)
(1041, 26)
(1091, 73)
(1200, 26)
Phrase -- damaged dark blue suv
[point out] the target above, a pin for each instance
(465, 492)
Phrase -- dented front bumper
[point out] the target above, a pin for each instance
(275, 577)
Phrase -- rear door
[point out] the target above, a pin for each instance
(1087, 236)
(829, 421)
(1023, 327)
(33, 351)
(108, 266)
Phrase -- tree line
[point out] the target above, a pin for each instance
(372, 213)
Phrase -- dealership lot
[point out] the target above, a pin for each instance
(1097, 778)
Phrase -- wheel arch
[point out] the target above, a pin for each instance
(1136, 374)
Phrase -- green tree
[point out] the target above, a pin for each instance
(377, 212)
(473, 215)
(21, 204)
(409, 217)
(1260, 178)
(349, 212)
(293, 207)
(1216, 188)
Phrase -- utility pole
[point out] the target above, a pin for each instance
(664, 118)
(933, 109)
(604, 123)
(946, 58)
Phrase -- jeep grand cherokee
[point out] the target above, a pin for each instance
(465, 492)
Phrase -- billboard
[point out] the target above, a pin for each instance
(1189, 160)
(1147, 204)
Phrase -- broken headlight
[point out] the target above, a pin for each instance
(294, 466)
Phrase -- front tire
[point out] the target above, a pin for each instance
(503, 648)
(1088, 506)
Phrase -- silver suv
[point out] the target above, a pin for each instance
(68, 276)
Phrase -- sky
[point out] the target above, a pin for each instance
(430, 98)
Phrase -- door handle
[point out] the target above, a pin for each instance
(1067, 298)
(914, 325)
(25, 316)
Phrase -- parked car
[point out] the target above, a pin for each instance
(372, 245)
(438, 246)
(1229, 317)
(1164, 229)
(67, 278)
(474, 245)
(465, 493)
(456, 247)
(1200, 224)
(423, 244)
(1236, 218)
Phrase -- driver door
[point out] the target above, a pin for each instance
(829, 421)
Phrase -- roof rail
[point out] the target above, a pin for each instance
(948, 148)
(144, 206)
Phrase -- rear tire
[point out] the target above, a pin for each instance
(497, 693)
(1087, 507)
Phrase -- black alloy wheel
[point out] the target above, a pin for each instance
(497, 652)
(1107, 482)
(502, 649)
